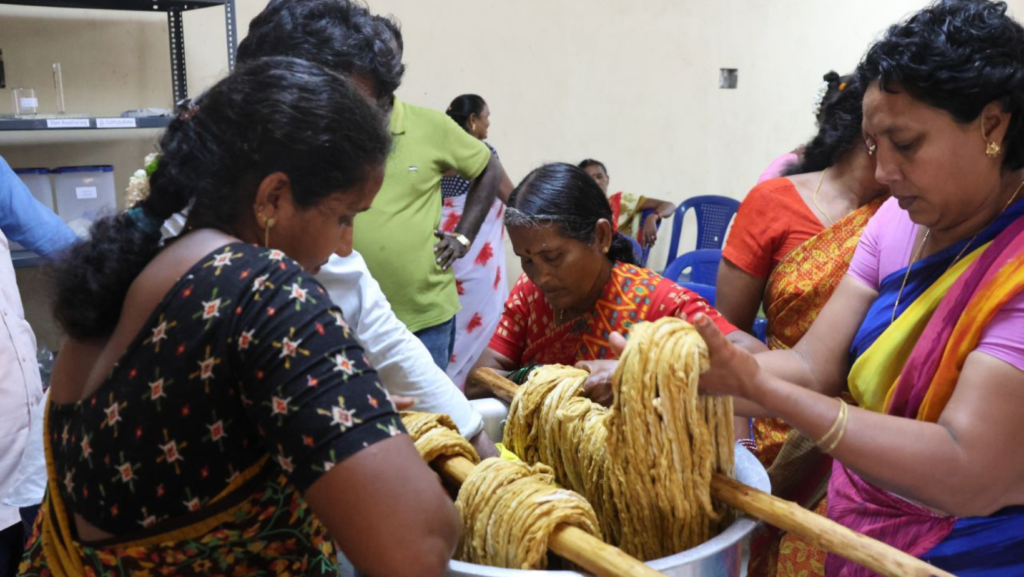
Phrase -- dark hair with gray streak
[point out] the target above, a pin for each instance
(565, 195)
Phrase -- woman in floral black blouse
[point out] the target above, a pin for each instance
(211, 414)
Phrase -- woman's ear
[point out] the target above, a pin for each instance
(273, 198)
(995, 122)
(603, 235)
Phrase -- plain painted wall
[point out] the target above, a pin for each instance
(634, 84)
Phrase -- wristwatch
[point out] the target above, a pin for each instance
(462, 239)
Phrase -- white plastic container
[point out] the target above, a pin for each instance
(38, 182)
(83, 194)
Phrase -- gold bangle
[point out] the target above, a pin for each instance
(839, 436)
(835, 424)
(462, 239)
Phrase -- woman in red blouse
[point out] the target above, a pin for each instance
(580, 284)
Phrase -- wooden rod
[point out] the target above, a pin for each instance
(822, 532)
(502, 388)
(567, 541)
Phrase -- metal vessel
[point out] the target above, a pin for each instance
(722, 556)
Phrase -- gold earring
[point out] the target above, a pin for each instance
(267, 225)
(605, 250)
(992, 149)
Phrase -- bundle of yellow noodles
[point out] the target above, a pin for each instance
(646, 463)
(436, 435)
(509, 511)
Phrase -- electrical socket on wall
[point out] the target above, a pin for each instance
(728, 78)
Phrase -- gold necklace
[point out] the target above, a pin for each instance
(924, 240)
(917, 255)
(814, 198)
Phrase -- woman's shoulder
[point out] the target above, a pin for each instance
(771, 192)
(630, 273)
(229, 266)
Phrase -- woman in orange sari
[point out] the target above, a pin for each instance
(791, 244)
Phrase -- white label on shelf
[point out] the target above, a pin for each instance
(67, 123)
(115, 123)
(85, 192)
(29, 103)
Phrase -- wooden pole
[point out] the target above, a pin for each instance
(820, 531)
(567, 541)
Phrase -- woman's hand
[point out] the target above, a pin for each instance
(650, 231)
(598, 387)
(448, 249)
(403, 403)
(733, 371)
(484, 445)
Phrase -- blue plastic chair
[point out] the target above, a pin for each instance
(699, 266)
(714, 213)
(703, 272)
(761, 329)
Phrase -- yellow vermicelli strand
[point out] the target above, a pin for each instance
(640, 471)
(509, 511)
(646, 463)
(436, 435)
(666, 442)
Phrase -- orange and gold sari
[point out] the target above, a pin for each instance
(796, 292)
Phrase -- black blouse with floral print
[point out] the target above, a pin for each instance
(245, 357)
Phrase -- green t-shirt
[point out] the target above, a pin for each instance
(396, 236)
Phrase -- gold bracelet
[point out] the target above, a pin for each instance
(835, 424)
(462, 239)
(839, 437)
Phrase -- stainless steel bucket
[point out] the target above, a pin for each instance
(723, 556)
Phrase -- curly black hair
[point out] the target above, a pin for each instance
(959, 56)
(271, 115)
(839, 126)
(565, 195)
(340, 34)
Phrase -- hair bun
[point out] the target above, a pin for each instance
(831, 76)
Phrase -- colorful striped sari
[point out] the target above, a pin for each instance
(910, 369)
(796, 292)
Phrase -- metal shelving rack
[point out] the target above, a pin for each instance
(179, 78)
(176, 31)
